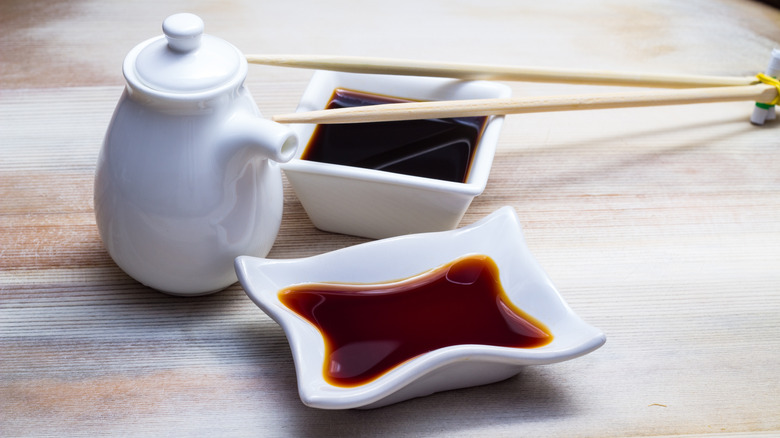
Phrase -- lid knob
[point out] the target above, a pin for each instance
(183, 31)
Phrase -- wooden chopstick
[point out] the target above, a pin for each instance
(354, 64)
(487, 107)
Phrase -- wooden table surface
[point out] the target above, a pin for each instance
(661, 226)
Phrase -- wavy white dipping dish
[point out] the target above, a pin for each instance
(498, 236)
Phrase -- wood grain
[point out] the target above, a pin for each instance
(659, 226)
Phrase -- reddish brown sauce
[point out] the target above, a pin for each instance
(433, 148)
(372, 328)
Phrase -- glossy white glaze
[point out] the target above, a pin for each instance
(187, 177)
(499, 236)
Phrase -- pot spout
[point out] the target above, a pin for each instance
(271, 140)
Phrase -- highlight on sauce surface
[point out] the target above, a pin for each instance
(431, 148)
(371, 328)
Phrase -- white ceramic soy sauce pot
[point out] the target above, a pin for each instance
(187, 178)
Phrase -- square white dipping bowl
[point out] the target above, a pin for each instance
(378, 204)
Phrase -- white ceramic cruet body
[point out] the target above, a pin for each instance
(187, 178)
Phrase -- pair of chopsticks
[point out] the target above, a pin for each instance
(688, 89)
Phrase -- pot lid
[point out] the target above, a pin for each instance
(186, 60)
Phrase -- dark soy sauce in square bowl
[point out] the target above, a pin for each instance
(430, 148)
